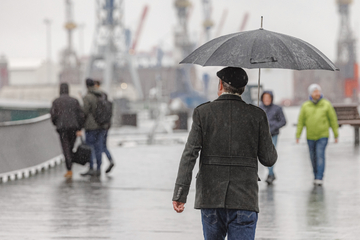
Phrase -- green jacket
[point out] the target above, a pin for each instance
(90, 100)
(317, 118)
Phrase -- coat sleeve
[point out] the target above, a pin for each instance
(266, 150)
(301, 122)
(188, 160)
(80, 115)
(333, 120)
(54, 113)
(281, 118)
(87, 106)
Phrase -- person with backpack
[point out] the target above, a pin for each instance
(105, 149)
(95, 126)
(68, 117)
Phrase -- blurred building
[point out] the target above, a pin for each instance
(148, 77)
(32, 72)
(4, 74)
(328, 80)
(340, 86)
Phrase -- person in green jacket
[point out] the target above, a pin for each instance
(317, 115)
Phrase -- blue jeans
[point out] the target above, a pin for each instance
(238, 224)
(95, 139)
(106, 151)
(274, 141)
(317, 156)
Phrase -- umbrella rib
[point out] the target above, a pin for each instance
(323, 56)
(287, 48)
(311, 47)
(252, 46)
(233, 35)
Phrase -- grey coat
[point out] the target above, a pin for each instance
(90, 100)
(274, 114)
(231, 135)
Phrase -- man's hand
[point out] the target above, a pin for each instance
(178, 206)
(336, 140)
(78, 133)
(297, 140)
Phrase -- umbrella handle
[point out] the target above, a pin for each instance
(260, 68)
(259, 87)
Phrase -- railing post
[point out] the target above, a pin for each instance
(356, 128)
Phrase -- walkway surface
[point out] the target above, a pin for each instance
(134, 201)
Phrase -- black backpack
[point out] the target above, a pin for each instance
(103, 110)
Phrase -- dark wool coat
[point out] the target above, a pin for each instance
(231, 135)
(66, 114)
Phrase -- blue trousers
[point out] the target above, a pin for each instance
(317, 156)
(274, 141)
(106, 151)
(95, 139)
(237, 224)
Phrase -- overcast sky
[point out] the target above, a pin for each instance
(23, 32)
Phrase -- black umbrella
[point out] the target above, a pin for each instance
(260, 49)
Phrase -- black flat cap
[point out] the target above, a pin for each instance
(234, 76)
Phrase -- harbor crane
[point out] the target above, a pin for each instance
(109, 51)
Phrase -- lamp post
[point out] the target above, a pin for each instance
(48, 50)
(81, 38)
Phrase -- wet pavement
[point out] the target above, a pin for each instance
(134, 200)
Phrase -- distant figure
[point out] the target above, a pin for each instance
(94, 132)
(276, 120)
(105, 150)
(231, 135)
(317, 115)
(68, 117)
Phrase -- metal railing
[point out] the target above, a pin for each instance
(28, 147)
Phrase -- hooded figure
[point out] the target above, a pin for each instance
(68, 117)
(274, 114)
(66, 113)
(276, 120)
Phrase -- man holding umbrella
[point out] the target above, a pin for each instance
(231, 136)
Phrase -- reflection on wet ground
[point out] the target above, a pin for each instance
(134, 201)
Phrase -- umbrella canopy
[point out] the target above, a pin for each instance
(260, 49)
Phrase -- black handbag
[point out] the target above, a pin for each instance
(82, 154)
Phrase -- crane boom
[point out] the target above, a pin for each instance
(244, 21)
(222, 21)
(138, 31)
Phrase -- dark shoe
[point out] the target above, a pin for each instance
(90, 172)
(97, 173)
(110, 167)
(270, 179)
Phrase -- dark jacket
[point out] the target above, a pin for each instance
(66, 114)
(231, 136)
(90, 100)
(274, 114)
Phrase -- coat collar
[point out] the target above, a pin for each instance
(229, 97)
